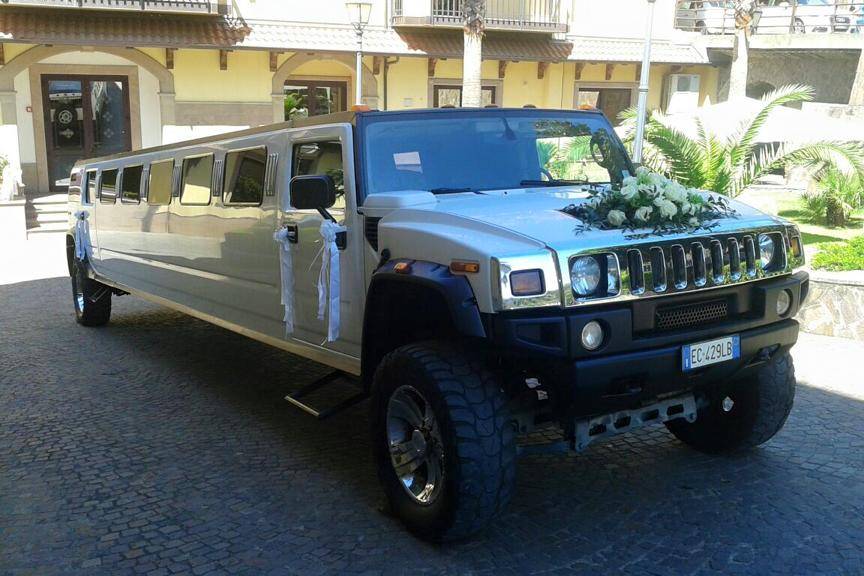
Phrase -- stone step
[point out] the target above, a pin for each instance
(48, 199)
(47, 228)
(45, 217)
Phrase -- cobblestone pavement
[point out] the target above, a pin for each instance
(162, 445)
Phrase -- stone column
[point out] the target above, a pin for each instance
(856, 97)
(740, 65)
(8, 112)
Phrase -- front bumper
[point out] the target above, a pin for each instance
(637, 362)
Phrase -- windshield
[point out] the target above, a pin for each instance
(463, 152)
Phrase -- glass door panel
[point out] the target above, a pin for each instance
(109, 117)
(313, 98)
(84, 117)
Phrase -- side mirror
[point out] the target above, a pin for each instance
(314, 192)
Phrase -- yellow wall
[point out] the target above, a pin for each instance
(197, 76)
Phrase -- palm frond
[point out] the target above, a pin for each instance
(742, 143)
(683, 157)
(846, 157)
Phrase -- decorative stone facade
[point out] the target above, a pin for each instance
(835, 307)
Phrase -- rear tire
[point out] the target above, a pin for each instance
(744, 414)
(91, 299)
(472, 440)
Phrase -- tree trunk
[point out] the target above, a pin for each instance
(471, 73)
(740, 64)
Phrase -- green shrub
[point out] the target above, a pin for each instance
(836, 197)
(841, 256)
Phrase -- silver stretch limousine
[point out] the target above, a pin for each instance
(458, 265)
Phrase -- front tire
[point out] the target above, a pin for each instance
(443, 441)
(92, 299)
(744, 414)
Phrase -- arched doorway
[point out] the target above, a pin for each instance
(319, 83)
(85, 102)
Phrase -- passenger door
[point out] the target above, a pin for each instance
(326, 150)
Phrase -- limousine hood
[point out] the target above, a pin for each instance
(512, 221)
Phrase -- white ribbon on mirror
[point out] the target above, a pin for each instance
(287, 270)
(328, 279)
(82, 235)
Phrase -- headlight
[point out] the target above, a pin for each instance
(585, 275)
(767, 250)
(527, 283)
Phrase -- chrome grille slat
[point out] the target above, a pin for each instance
(734, 260)
(679, 266)
(658, 269)
(750, 255)
(697, 255)
(717, 262)
(636, 267)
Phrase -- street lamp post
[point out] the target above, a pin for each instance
(358, 14)
(642, 104)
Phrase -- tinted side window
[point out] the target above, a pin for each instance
(130, 185)
(244, 177)
(89, 188)
(197, 180)
(320, 158)
(108, 187)
(160, 182)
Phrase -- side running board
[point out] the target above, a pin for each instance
(321, 414)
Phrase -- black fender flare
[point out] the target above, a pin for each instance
(454, 290)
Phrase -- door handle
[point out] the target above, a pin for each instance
(293, 233)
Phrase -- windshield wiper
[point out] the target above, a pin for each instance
(553, 182)
(437, 191)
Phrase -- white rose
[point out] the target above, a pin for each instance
(676, 193)
(629, 191)
(659, 200)
(643, 213)
(642, 171)
(668, 209)
(629, 181)
(694, 222)
(657, 180)
(616, 217)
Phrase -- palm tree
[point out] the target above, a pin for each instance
(728, 166)
(744, 12)
(474, 26)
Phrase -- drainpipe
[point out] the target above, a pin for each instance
(387, 63)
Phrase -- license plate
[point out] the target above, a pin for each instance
(711, 352)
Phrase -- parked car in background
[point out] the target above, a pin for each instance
(804, 16)
(707, 17)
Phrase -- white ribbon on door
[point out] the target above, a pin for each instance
(82, 235)
(329, 278)
(287, 272)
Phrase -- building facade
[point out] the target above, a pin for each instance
(82, 78)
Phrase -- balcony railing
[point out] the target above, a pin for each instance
(527, 15)
(773, 17)
(184, 6)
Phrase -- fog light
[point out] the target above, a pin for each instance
(592, 335)
(784, 302)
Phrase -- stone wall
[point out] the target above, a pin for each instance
(835, 307)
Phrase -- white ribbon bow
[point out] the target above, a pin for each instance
(82, 235)
(287, 270)
(329, 271)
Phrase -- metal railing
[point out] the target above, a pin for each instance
(530, 15)
(185, 6)
(773, 17)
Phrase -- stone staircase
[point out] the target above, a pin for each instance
(47, 214)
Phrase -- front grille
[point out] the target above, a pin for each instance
(701, 263)
(697, 314)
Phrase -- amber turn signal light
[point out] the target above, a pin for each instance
(464, 267)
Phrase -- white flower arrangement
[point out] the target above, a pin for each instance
(651, 200)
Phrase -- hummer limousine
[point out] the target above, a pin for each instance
(438, 260)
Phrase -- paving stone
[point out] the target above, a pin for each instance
(162, 445)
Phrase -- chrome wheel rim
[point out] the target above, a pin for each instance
(414, 444)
